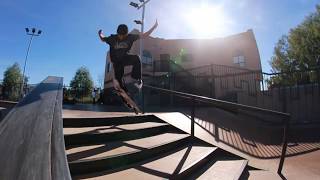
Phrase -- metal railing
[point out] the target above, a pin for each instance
(230, 106)
(207, 70)
(296, 92)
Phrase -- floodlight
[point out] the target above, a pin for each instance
(137, 21)
(134, 4)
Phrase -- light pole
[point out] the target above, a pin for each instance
(141, 22)
(32, 34)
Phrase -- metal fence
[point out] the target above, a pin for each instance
(295, 92)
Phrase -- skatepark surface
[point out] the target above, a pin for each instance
(237, 134)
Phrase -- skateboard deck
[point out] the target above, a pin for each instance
(125, 97)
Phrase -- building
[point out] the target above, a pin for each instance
(220, 56)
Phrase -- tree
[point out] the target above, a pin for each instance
(299, 51)
(12, 82)
(82, 82)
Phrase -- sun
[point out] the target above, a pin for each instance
(207, 21)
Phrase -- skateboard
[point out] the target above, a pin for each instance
(125, 97)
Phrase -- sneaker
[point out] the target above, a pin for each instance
(138, 84)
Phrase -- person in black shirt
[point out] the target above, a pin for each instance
(120, 45)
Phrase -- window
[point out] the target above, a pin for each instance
(239, 60)
(147, 60)
(147, 57)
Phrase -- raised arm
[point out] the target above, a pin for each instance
(146, 34)
(101, 36)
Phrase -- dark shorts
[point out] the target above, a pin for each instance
(127, 60)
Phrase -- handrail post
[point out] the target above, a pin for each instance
(192, 116)
(285, 143)
(142, 103)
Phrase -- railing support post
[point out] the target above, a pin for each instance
(284, 99)
(192, 117)
(142, 103)
(285, 143)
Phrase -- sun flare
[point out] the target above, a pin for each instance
(207, 21)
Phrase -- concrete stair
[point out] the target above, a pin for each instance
(263, 175)
(142, 147)
(222, 169)
(98, 135)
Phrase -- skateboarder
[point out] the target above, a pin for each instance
(120, 45)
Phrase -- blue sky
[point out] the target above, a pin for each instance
(69, 38)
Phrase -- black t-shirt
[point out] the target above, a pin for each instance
(118, 48)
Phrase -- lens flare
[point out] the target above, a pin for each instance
(208, 21)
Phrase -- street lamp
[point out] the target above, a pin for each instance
(31, 32)
(138, 22)
(141, 22)
(134, 4)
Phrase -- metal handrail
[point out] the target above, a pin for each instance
(217, 65)
(219, 103)
(231, 106)
(294, 71)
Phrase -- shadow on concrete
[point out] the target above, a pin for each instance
(97, 130)
(152, 171)
(99, 150)
(239, 131)
(282, 176)
(252, 137)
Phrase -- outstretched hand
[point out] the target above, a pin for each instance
(156, 24)
(146, 34)
(100, 34)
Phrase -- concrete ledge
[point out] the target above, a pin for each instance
(31, 136)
